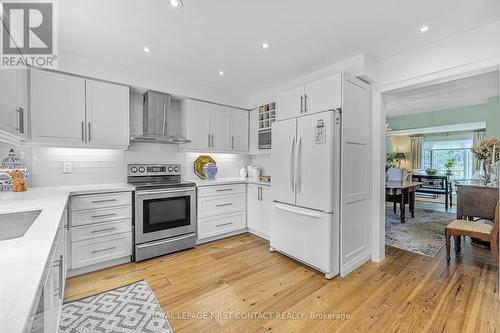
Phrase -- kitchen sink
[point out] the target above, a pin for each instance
(15, 225)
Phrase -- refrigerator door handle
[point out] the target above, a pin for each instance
(292, 164)
(299, 165)
(298, 211)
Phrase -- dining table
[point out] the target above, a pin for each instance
(402, 192)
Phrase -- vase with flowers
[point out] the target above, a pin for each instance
(488, 152)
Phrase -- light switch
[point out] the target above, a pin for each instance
(67, 167)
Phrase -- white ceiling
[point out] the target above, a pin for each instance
(194, 42)
(473, 90)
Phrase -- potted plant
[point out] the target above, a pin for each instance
(449, 166)
(488, 152)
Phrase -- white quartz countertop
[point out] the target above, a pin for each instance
(226, 181)
(23, 260)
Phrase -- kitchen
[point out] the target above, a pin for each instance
(117, 180)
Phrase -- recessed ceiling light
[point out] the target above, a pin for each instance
(221, 73)
(147, 49)
(265, 45)
(425, 28)
(176, 3)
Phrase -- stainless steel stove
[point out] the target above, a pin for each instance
(165, 210)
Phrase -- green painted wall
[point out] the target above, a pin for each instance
(490, 113)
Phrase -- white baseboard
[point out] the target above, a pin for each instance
(101, 265)
(217, 237)
(258, 234)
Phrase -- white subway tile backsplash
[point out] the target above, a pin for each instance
(93, 166)
(263, 161)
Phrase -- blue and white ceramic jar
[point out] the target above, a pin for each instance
(210, 170)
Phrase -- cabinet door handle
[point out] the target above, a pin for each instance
(101, 201)
(259, 194)
(61, 267)
(301, 102)
(20, 120)
(208, 140)
(102, 250)
(212, 140)
(90, 126)
(83, 131)
(103, 215)
(225, 204)
(305, 103)
(102, 230)
(224, 190)
(232, 142)
(223, 224)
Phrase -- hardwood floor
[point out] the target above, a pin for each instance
(404, 293)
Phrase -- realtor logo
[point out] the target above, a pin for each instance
(29, 34)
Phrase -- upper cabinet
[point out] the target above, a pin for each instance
(107, 107)
(71, 111)
(238, 129)
(13, 105)
(213, 127)
(57, 108)
(313, 97)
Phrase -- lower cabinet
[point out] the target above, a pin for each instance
(46, 316)
(258, 210)
(221, 211)
(100, 231)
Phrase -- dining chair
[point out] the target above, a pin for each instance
(476, 229)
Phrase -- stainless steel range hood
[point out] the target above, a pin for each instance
(156, 110)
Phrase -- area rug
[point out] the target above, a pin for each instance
(423, 234)
(129, 309)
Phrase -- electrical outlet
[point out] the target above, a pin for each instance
(67, 167)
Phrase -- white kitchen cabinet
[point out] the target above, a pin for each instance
(258, 210)
(313, 97)
(196, 119)
(289, 104)
(253, 136)
(107, 110)
(220, 128)
(57, 108)
(323, 95)
(213, 127)
(13, 105)
(100, 231)
(238, 129)
(70, 111)
(221, 211)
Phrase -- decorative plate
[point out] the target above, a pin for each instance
(199, 163)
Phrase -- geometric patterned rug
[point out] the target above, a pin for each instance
(423, 234)
(129, 309)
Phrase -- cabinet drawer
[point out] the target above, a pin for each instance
(221, 204)
(100, 229)
(93, 251)
(206, 191)
(100, 200)
(212, 226)
(83, 217)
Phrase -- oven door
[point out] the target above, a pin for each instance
(162, 214)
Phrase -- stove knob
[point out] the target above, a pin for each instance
(141, 169)
(133, 169)
(176, 169)
(170, 169)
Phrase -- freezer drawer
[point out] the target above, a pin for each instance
(306, 235)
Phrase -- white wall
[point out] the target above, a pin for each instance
(360, 66)
(228, 164)
(470, 51)
(82, 65)
(263, 161)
